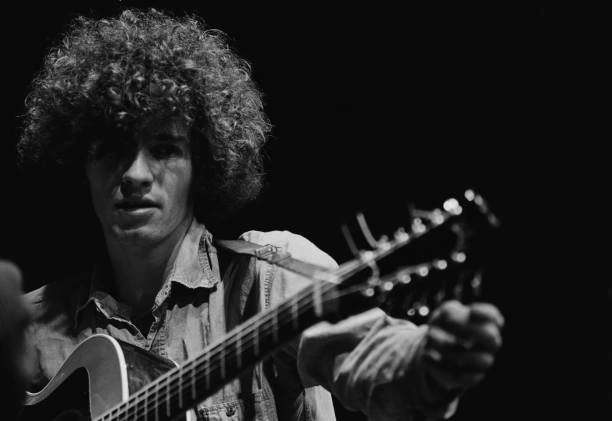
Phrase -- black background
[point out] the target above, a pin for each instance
(372, 108)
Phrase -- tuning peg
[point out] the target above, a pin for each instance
(437, 217)
(349, 240)
(440, 264)
(418, 309)
(422, 271)
(365, 229)
(387, 286)
(452, 206)
(383, 243)
(476, 284)
(479, 201)
(400, 235)
(423, 311)
(417, 226)
(404, 277)
(469, 195)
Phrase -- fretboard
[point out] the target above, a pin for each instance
(182, 388)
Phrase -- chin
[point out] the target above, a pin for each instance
(142, 235)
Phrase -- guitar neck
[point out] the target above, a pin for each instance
(243, 347)
(342, 293)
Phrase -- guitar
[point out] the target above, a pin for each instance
(105, 379)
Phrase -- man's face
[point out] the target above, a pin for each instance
(141, 193)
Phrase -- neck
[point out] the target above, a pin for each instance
(140, 270)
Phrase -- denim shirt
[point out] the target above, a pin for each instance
(370, 361)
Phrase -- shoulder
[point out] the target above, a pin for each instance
(297, 246)
(280, 284)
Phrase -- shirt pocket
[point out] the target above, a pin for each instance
(257, 407)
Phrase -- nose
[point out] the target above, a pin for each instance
(138, 176)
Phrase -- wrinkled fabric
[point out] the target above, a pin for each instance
(369, 361)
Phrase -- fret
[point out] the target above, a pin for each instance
(275, 326)
(207, 370)
(168, 396)
(256, 340)
(239, 350)
(137, 403)
(180, 386)
(317, 299)
(121, 411)
(133, 405)
(294, 313)
(146, 411)
(156, 404)
(193, 385)
(222, 357)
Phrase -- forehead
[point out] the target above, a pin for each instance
(173, 128)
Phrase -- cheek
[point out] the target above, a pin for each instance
(182, 183)
(96, 198)
(96, 181)
(183, 191)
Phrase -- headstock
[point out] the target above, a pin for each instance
(437, 256)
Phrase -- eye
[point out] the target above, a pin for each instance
(102, 150)
(164, 150)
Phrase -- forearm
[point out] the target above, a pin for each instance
(372, 363)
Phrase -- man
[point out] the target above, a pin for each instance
(157, 124)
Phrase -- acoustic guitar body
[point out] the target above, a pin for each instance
(99, 374)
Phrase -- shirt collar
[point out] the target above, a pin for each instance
(195, 266)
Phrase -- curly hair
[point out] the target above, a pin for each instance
(107, 75)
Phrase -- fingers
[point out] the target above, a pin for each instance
(443, 351)
(450, 377)
(451, 364)
(461, 343)
(485, 312)
(454, 312)
(442, 340)
(477, 325)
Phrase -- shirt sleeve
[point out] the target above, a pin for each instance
(371, 362)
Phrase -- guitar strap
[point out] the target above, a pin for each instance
(273, 255)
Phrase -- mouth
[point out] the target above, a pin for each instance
(135, 205)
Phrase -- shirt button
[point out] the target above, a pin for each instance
(230, 411)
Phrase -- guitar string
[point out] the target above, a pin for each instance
(306, 294)
(263, 320)
(170, 384)
(174, 386)
(231, 340)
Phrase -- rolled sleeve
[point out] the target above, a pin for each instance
(371, 363)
